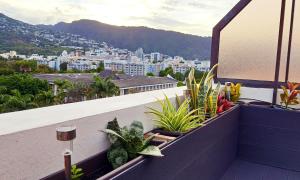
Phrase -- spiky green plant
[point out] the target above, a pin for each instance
(213, 101)
(205, 89)
(175, 120)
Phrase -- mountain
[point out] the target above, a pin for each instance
(53, 39)
(151, 40)
(28, 39)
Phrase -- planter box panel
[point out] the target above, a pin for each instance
(270, 117)
(213, 162)
(271, 157)
(270, 136)
(210, 147)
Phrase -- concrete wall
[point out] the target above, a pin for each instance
(28, 145)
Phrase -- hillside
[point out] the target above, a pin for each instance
(49, 39)
(151, 40)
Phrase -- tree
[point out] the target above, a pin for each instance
(45, 98)
(24, 83)
(150, 74)
(178, 76)
(100, 67)
(62, 86)
(43, 68)
(79, 92)
(26, 66)
(162, 73)
(180, 83)
(167, 71)
(6, 71)
(104, 87)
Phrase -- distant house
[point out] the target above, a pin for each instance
(126, 83)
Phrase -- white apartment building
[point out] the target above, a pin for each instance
(203, 66)
(153, 68)
(134, 69)
(155, 56)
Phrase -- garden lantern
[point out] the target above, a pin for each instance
(67, 134)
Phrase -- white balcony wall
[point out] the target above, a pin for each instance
(28, 145)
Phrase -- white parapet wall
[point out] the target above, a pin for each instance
(28, 145)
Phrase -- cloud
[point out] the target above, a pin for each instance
(188, 16)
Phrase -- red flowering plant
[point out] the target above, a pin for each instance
(223, 103)
(289, 95)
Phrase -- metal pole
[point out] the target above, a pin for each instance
(290, 42)
(67, 158)
(281, 26)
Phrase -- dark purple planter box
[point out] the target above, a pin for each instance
(258, 134)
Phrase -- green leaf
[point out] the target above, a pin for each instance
(151, 151)
(109, 131)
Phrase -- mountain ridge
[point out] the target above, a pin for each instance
(127, 37)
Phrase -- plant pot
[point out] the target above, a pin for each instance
(283, 108)
(260, 103)
(167, 133)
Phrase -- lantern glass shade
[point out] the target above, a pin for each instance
(66, 134)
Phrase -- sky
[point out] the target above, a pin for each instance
(187, 16)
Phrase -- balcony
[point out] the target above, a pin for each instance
(255, 139)
(257, 135)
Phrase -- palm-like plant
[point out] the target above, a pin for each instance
(62, 86)
(175, 120)
(104, 87)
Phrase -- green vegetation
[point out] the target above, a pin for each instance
(128, 143)
(150, 74)
(22, 91)
(76, 173)
(172, 119)
(167, 71)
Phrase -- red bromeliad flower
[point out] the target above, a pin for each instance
(289, 95)
(223, 104)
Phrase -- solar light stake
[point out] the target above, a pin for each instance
(67, 134)
(227, 90)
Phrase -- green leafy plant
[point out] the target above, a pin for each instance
(199, 92)
(76, 173)
(289, 95)
(213, 101)
(205, 90)
(128, 143)
(175, 120)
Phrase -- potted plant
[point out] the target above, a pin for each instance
(128, 143)
(174, 121)
(202, 94)
(290, 95)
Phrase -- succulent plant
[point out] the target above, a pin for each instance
(128, 143)
(117, 156)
